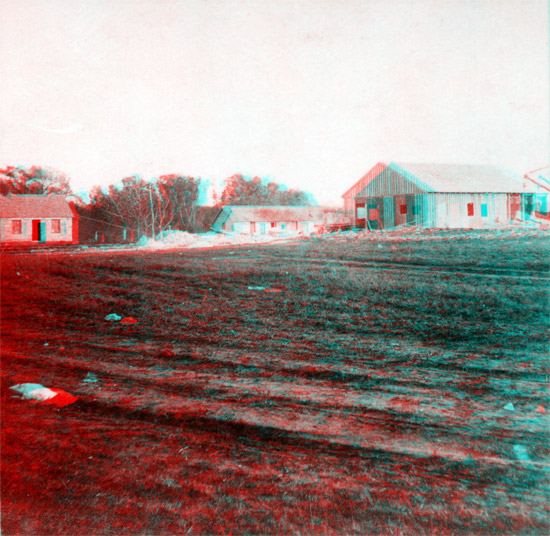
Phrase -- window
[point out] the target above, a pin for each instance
(361, 213)
(16, 227)
(56, 226)
(373, 214)
(470, 209)
(403, 209)
(64, 229)
(484, 210)
(272, 224)
(283, 226)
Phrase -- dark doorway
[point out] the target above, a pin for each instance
(38, 231)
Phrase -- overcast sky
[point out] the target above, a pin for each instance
(309, 93)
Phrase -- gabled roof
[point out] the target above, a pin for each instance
(540, 177)
(464, 178)
(271, 213)
(461, 178)
(365, 179)
(35, 206)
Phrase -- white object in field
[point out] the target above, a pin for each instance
(521, 453)
(509, 406)
(34, 391)
(113, 316)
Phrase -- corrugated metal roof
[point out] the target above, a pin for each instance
(35, 206)
(463, 178)
(272, 213)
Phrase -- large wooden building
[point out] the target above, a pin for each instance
(40, 219)
(397, 195)
(267, 219)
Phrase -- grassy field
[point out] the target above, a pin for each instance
(361, 391)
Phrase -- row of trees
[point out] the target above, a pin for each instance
(138, 207)
(33, 181)
(241, 191)
(146, 207)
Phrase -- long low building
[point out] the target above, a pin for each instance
(396, 195)
(242, 219)
(40, 219)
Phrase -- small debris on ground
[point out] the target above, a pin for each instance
(509, 406)
(36, 391)
(256, 288)
(521, 453)
(90, 378)
(33, 391)
(113, 317)
(128, 320)
(540, 409)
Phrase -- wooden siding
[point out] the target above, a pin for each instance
(390, 183)
(451, 210)
(442, 210)
(232, 225)
(349, 204)
(389, 212)
(68, 230)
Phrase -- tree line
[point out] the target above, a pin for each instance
(136, 207)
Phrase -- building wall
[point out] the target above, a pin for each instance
(464, 211)
(447, 210)
(392, 200)
(390, 183)
(66, 228)
(267, 227)
(349, 196)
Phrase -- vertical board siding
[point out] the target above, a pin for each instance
(450, 211)
(349, 196)
(390, 183)
(441, 210)
(427, 208)
(389, 215)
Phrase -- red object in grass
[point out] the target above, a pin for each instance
(61, 399)
(540, 409)
(272, 290)
(128, 320)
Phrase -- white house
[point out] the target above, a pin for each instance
(267, 219)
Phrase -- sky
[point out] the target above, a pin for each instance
(309, 93)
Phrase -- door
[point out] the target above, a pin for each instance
(389, 218)
(373, 215)
(36, 231)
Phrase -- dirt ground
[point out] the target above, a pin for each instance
(335, 385)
